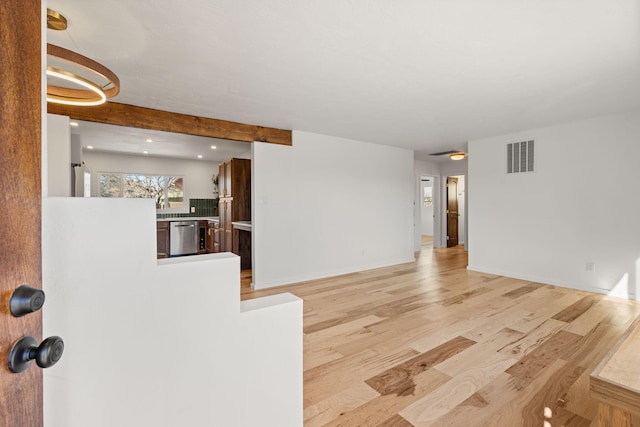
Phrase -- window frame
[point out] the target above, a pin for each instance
(121, 192)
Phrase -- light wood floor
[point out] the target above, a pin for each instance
(430, 343)
(427, 240)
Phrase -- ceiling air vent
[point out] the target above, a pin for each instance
(520, 157)
(444, 153)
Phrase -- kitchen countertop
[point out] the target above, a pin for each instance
(191, 218)
(242, 225)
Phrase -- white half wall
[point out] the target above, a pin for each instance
(327, 206)
(164, 343)
(577, 212)
(197, 173)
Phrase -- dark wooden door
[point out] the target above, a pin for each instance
(20, 198)
(452, 212)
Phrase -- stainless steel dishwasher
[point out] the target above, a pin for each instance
(183, 238)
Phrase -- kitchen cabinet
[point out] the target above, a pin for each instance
(213, 236)
(226, 215)
(242, 242)
(224, 179)
(234, 183)
(162, 237)
(203, 226)
(205, 239)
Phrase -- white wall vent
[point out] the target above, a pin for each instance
(520, 157)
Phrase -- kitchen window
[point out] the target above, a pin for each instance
(167, 190)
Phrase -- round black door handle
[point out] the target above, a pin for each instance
(26, 350)
(25, 300)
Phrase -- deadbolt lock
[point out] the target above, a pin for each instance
(25, 300)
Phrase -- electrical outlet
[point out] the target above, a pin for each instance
(590, 267)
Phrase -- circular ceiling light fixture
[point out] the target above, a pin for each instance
(457, 156)
(78, 80)
(55, 21)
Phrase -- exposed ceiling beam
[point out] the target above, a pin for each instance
(147, 118)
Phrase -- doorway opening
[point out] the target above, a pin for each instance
(427, 211)
(455, 211)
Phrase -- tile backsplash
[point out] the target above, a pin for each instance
(203, 207)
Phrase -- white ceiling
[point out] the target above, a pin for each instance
(427, 75)
(110, 138)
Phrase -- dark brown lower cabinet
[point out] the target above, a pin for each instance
(213, 236)
(216, 237)
(203, 230)
(226, 229)
(242, 247)
(162, 237)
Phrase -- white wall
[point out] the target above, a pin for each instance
(58, 157)
(164, 343)
(455, 167)
(246, 155)
(328, 206)
(580, 206)
(197, 173)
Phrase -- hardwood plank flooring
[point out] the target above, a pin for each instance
(427, 240)
(430, 343)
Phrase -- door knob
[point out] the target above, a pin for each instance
(25, 300)
(26, 350)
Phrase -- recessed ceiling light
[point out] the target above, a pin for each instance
(213, 147)
(149, 140)
(90, 147)
(199, 156)
(145, 152)
(74, 124)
